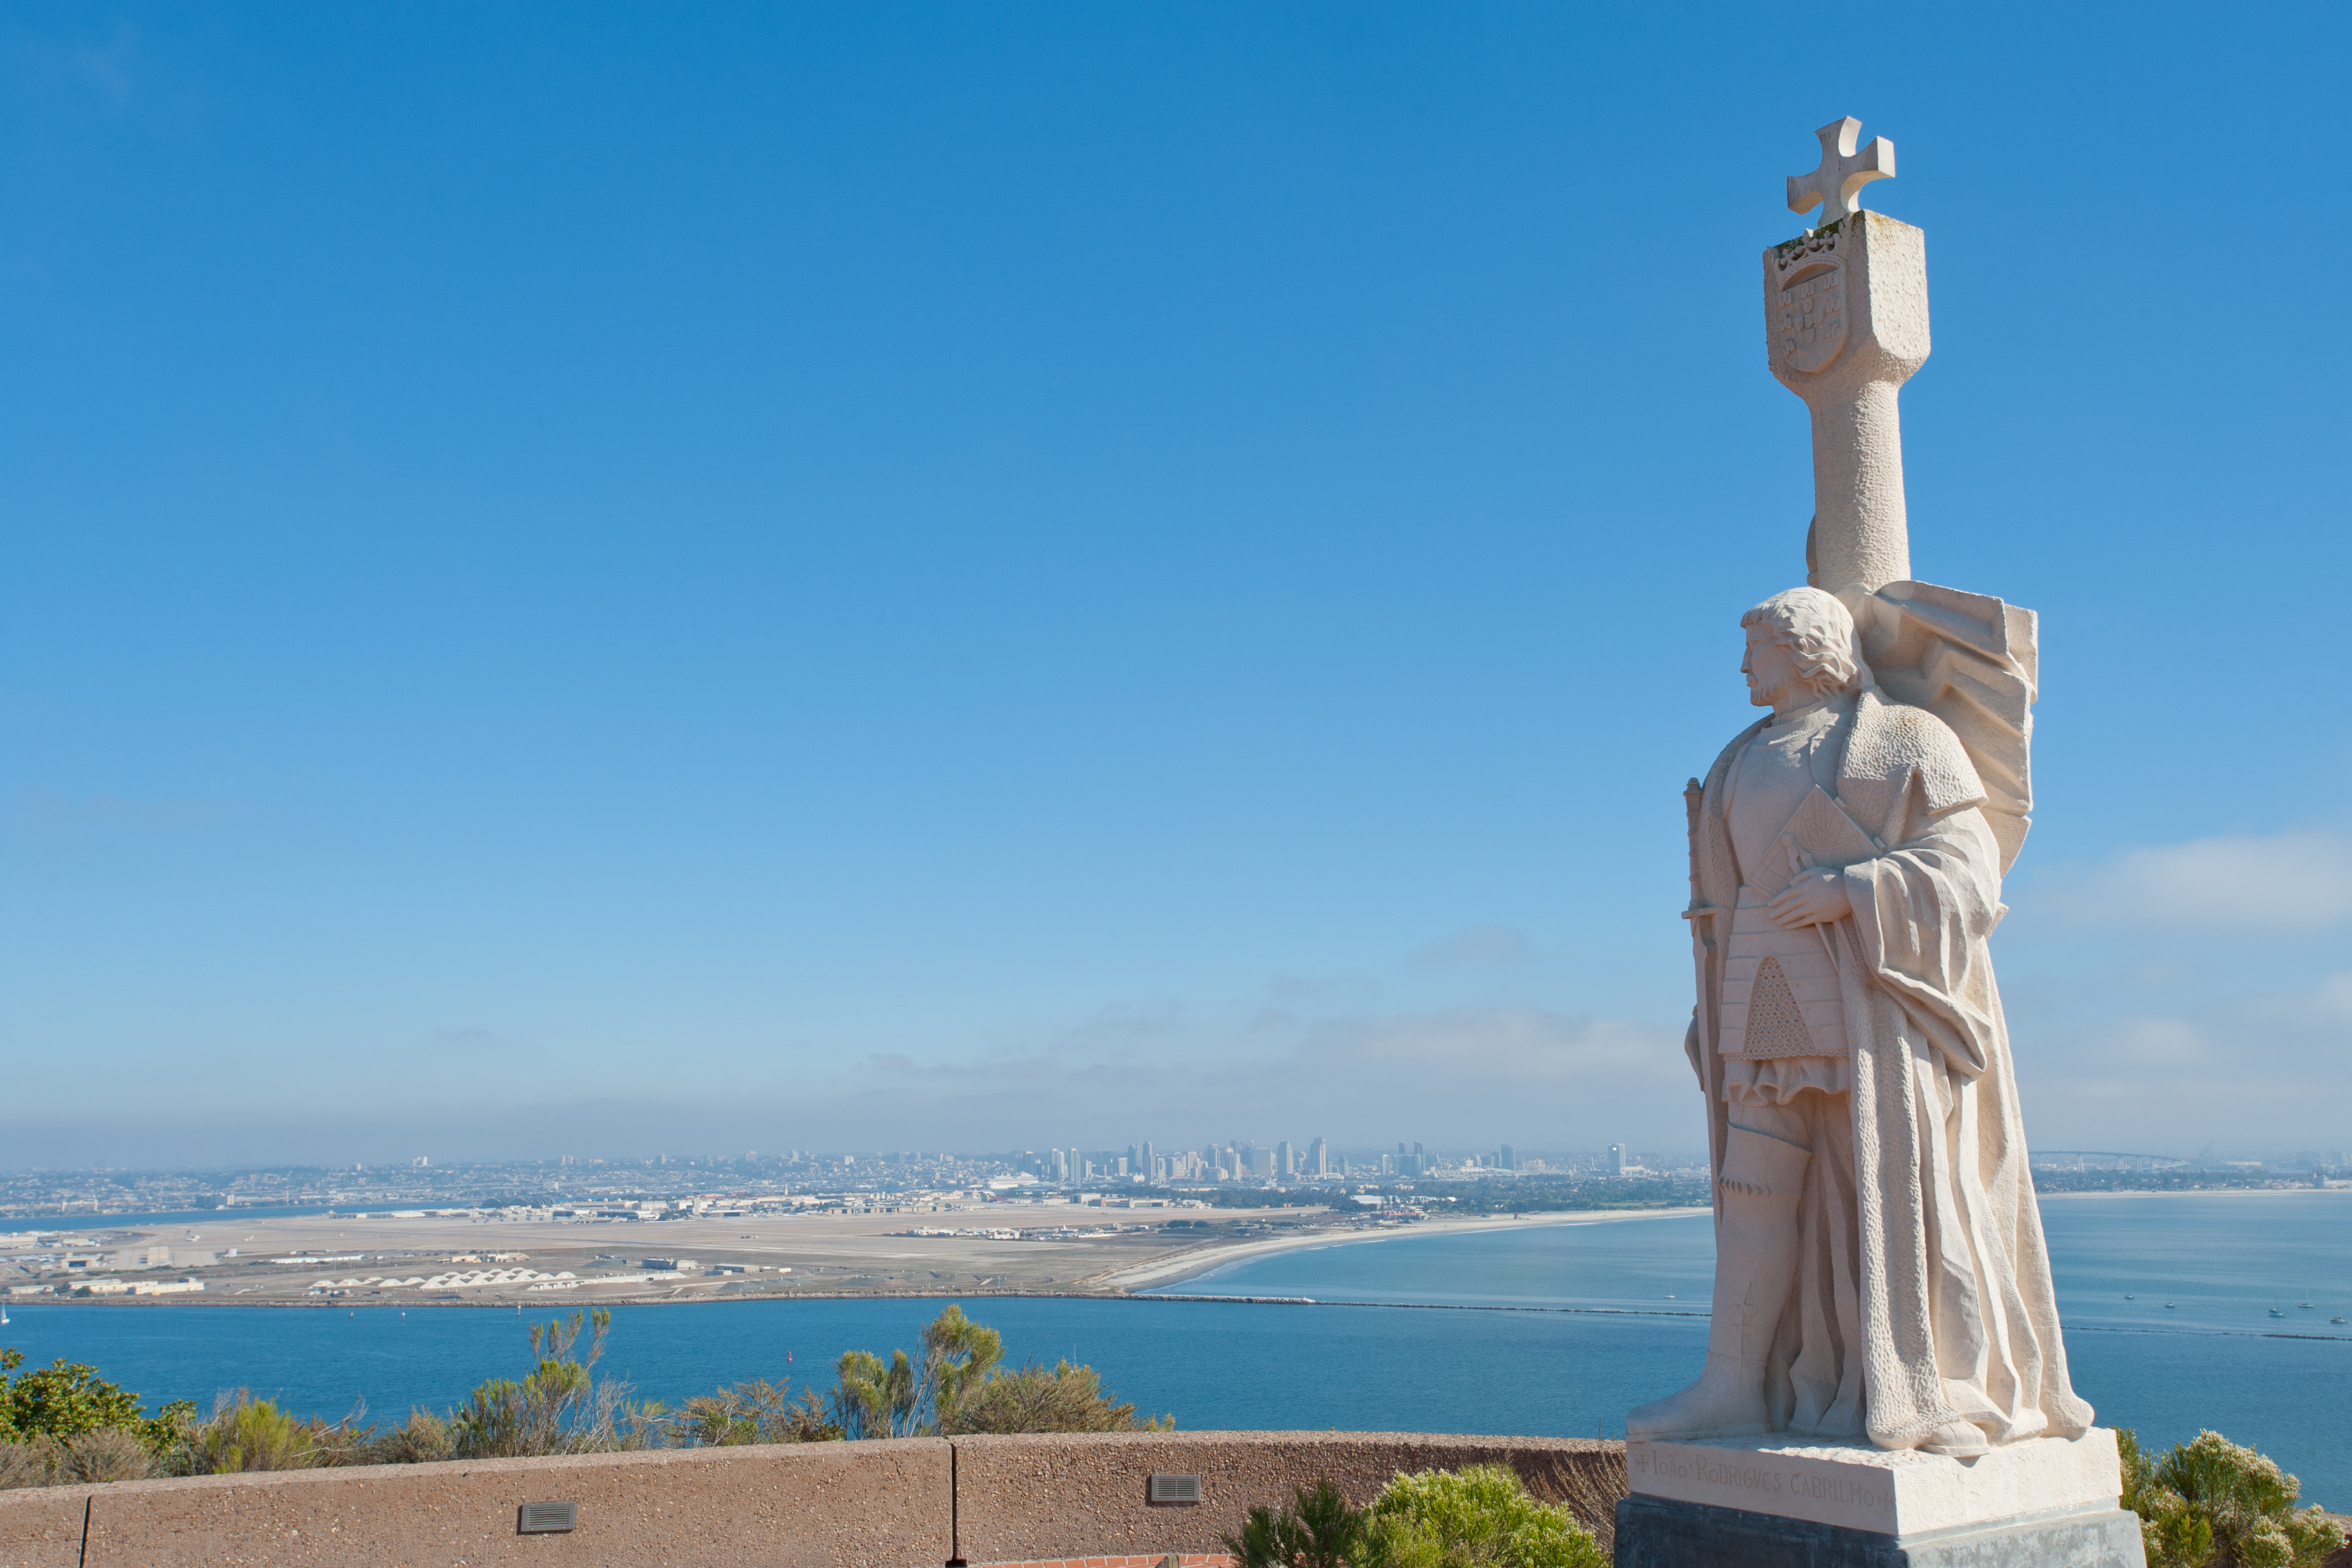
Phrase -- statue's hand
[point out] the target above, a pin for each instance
(1814, 899)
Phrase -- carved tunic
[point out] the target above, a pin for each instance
(1780, 987)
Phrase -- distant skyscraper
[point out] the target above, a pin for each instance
(1319, 1159)
(1617, 1159)
(1510, 1160)
(1285, 1165)
(1151, 1172)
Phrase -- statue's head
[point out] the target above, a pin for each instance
(1801, 645)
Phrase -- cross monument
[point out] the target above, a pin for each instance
(1845, 308)
(1885, 1377)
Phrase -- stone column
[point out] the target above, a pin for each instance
(1845, 311)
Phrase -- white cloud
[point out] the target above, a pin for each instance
(2283, 883)
(2262, 1074)
(1479, 947)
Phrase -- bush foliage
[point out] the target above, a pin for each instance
(1480, 1517)
(2212, 1504)
(68, 1400)
(64, 1423)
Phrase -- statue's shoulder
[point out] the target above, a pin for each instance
(1730, 754)
(1892, 741)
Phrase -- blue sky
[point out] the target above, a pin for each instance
(632, 579)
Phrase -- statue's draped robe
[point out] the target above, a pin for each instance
(1923, 1295)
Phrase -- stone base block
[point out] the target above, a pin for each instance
(1902, 1492)
(1658, 1532)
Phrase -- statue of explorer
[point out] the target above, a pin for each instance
(1880, 1269)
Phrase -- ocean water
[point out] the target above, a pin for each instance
(1552, 1330)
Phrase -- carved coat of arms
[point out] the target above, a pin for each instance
(1811, 324)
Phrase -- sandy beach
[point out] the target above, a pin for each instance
(1197, 1261)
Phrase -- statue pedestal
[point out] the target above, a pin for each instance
(1766, 1502)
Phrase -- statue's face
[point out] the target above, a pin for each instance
(1770, 669)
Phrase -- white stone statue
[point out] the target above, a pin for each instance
(1880, 1269)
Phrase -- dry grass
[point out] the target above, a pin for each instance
(108, 1454)
(1590, 1481)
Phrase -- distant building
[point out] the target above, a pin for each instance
(1509, 1159)
(1319, 1159)
(1285, 1165)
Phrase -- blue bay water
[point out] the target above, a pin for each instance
(1550, 1330)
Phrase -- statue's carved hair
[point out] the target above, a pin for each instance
(1819, 635)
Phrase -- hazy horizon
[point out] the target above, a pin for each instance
(888, 576)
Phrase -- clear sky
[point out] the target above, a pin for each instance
(629, 579)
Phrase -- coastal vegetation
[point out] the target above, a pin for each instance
(1477, 1517)
(2211, 1504)
(65, 1424)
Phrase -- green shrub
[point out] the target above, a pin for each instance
(1480, 1517)
(249, 1434)
(899, 1398)
(422, 1439)
(559, 1407)
(1473, 1518)
(756, 1412)
(1034, 1398)
(959, 1387)
(1319, 1529)
(2212, 1504)
(68, 1400)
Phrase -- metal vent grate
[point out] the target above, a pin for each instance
(1175, 1488)
(546, 1518)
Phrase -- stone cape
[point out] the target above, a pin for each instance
(1924, 1295)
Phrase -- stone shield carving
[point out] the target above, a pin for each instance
(1811, 324)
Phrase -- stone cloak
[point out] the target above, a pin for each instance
(1924, 1293)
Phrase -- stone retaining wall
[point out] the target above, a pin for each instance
(911, 1504)
(1036, 1500)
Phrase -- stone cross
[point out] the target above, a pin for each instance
(1845, 319)
(1836, 186)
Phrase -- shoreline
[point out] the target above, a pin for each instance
(1203, 1261)
(1118, 1283)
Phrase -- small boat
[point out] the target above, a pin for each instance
(2129, 1297)
(2304, 1305)
(2335, 1320)
(2276, 1313)
(2168, 1306)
